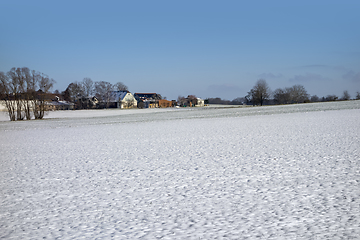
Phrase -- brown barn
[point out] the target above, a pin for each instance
(165, 103)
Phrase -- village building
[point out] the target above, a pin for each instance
(147, 100)
(163, 103)
(200, 102)
(191, 101)
(122, 99)
(60, 105)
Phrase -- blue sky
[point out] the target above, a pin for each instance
(206, 48)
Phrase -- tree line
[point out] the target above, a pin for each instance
(84, 93)
(24, 93)
(261, 94)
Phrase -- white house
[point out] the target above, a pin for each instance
(200, 102)
(122, 99)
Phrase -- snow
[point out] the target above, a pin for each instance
(275, 172)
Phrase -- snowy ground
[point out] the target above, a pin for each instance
(276, 172)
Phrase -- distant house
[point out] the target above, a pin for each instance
(163, 103)
(147, 100)
(85, 102)
(122, 99)
(200, 102)
(191, 101)
(54, 102)
(60, 105)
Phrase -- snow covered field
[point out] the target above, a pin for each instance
(275, 172)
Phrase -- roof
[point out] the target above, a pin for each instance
(61, 103)
(144, 96)
(116, 95)
(150, 94)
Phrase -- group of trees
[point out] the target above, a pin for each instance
(82, 93)
(236, 101)
(294, 94)
(24, 92)
(261, 93)
(331, 97)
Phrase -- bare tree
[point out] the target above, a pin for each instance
(259, 93)
(7, 96)
(181, 100)
(357, 96)
(16, 87)
(282, 96)
(3, 85)
(331, 97)
(27, 92)
(346, 95)
(88, 87)
(19, 89)
(74, 91)
(314, 98)
(103, 92)
(298, 94)
(45, 85)
(294, 94)
(26, 98)
(33, 83)
(119, 86)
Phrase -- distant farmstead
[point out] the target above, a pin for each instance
(191, 101)
(122, 99)
(147, 100)
(163, 103)
(200, 102)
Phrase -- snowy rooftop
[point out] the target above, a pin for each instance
(115, 96)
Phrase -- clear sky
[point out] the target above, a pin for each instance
(206, 48)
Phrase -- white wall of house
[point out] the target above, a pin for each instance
(128, 98)
(200, 102)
